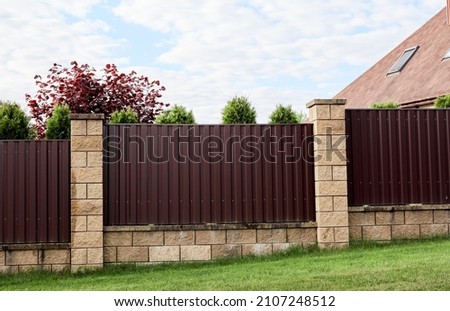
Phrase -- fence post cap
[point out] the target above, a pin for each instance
(87, 116)
(334, 101)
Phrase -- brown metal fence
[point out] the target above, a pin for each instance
(163, 174)
(34, 191)
(398, 156)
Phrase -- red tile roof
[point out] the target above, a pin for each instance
(425, 76)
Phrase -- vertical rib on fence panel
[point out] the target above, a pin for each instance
(197, 174)
(34, 191)
(398, 156)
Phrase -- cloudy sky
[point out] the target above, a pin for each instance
(206, 51)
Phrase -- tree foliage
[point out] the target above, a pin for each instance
(58, 124)
(385, 105)
(284, 115)
(239, 110)
(84, 92)
(14, 124)
(124, 116)
(442, 101)
(176, 115)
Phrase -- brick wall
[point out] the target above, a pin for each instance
(86, 191)
(24, 257)
(398, 222)
(132, 244)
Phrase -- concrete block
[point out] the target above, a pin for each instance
(22, 257)
(434, 230)
(300, 236)
(118, 238)
(56, 256)
(148, 238)
(95, 223)
(2, 258)
(86, 143)
(226, 251)
(323, 173)
(324, 204)
(78, 127)
(361, 219)
(442, 217)
(377, 233)
(341, 235)
(78, 256)
(332, 219)
(87, 239)
(78, 223)
(340, 173)
(210, 237)
(334, 127)
(86, 175)
(164, 253)
(95, 255)
(78, 159)
(246, 236)
(331, 188)
(78, 191)
(110, 254)
(94, 159)
(337, 112)
(281, 247)
(390, 218)
(256, 249)
(355, 233)
(132, 254)
(195, 252)
(94, 191)
(320, 112)
(95, 127)
(325, 235)
(340, 203)
(405, 231)
(86, 207)
(418, 217)
(268, 236)
(179, 238)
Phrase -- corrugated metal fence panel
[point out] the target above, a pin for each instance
(398, 156)
(196, 174)
(34, 191)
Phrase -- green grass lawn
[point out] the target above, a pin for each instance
(412, 265)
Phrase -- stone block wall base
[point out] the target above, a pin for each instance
(129, 244)
(21, 258)
(398, 222)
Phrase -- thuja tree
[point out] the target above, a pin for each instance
(284, 115)
(124, 116)
(84, 91)
(239, 110)
(176, 115)
(58, 125)
(14, 123)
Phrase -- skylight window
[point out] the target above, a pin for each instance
(447, 55)
(403, 60)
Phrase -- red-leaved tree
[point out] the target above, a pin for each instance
(83, 91)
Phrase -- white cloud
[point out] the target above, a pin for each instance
(273, 51)
(228, 47)
(36, 34)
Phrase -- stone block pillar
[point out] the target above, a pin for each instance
(330, 168)
(86, 191)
